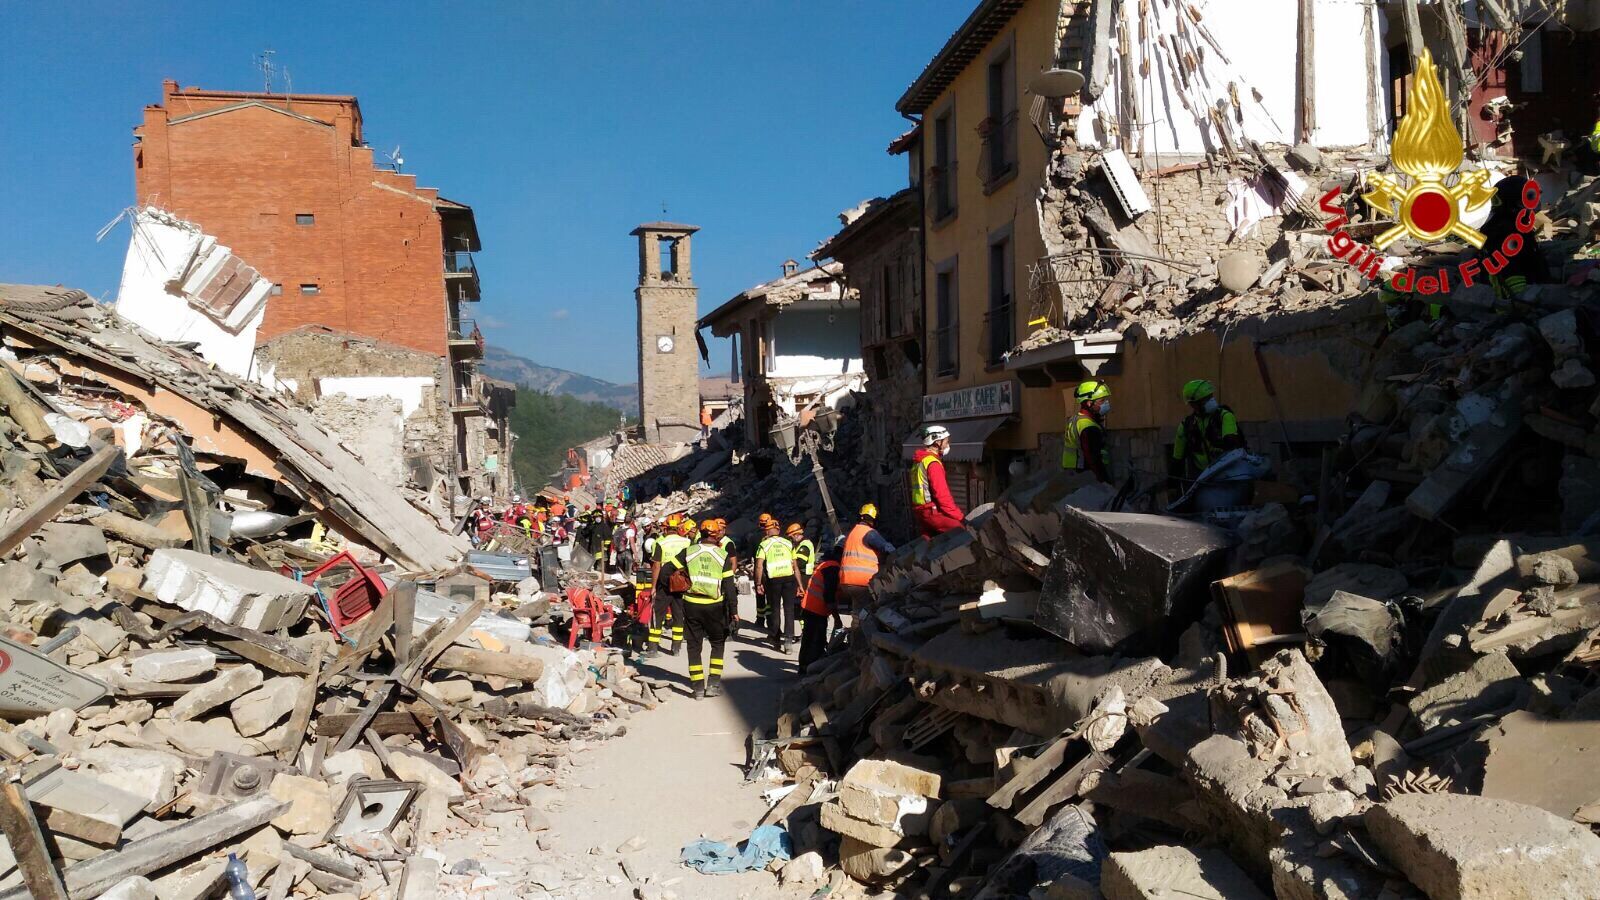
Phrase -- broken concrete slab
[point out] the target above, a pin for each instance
(1461, 847)
(890, 795)
(310, 804)
(1164, 872)
(83, 806)
(1491, 684)
(264, 707)
(1115, 575)
(234, 593)
(58, 543)
(1361, 579)
(165, 666)
(229, 685)
(1284, 712)
(1553, 764)
(152, 775)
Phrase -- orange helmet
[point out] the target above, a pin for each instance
(766, 521)
(686, 526)
(795, 530)
(714, 527)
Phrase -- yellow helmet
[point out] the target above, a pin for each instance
(869, 511)
(795, 530)
(673, 520)
(686, 526)
(1092, 390)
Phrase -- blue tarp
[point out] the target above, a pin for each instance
(767, 843)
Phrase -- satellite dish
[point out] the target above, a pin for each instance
(1056, 83)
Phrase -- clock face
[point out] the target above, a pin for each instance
(664, 343)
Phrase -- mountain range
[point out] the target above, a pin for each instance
(507, 366)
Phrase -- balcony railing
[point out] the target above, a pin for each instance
(465, 333)
(459, 262)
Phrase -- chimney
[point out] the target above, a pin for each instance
(790, 267)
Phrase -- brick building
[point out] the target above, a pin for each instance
(351, 247)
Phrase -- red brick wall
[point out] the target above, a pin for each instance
(376, 249)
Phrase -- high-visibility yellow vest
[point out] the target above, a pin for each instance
(670, 547)
(779, 556)
(1071, 455)
(805, 556)
(921, 484)
(705, 565)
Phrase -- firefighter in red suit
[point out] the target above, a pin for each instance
(932, 507)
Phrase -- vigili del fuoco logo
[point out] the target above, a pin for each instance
(1431, 204)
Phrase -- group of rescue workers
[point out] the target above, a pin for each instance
(683, 593)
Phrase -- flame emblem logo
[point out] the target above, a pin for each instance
(1428, 149)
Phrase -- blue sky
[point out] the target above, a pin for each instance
(563, 124)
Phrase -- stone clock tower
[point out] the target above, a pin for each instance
(669, 356)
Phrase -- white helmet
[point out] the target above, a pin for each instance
(485, 499)
(933, 434)
(516, 498)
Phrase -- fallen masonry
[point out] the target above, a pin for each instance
(224, 641)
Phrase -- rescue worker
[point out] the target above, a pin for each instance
(932, 506)
(705, 611)
(1209, 431)
(820, 601)
(1404, 307)
(764, 521)
(805, 552)
(777, 583)
(730, 588)
(1587, 153)
(668, 603)
(858, 562)
(1523, 268)
(1084, 446)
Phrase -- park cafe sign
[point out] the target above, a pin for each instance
(998, 399)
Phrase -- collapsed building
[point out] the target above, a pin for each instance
(265, 219)
(237, 658)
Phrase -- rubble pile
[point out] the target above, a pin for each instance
(1338, 700)
(195, 701)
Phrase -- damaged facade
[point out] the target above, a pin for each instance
(796, 345)
(329, 242)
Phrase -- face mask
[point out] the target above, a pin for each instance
(1211, 404)
(1105, 407)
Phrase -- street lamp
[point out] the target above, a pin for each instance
(796, 440)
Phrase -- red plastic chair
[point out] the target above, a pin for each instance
(588, 613)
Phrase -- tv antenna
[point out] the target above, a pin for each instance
(264, 63)
(394, 158)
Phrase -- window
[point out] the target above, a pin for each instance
(946, 324)
(305, 219)
(944, 165)
(1002, 332)
(310, 289)
(1000, 128)
(277, 290)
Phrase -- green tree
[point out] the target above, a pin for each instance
(546, 425)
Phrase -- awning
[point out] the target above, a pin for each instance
(967, 437)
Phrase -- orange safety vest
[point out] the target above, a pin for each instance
(814, 602)
(921, 482)
(860, 562)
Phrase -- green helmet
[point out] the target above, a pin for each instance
(1197, 390)
(1091, 390)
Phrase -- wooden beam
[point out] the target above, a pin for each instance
(374, 705)
(424, 657)
(1412, 18)
(93, 877)
(1031, 772)
(1063, 788)
(1307, 81)
(482, 662)
(405, 619)
(28, 845)
(22, 410)
(13, 533)
(305, 700)
(385, 723)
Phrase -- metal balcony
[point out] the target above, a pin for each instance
(460, 269)
(464, 338)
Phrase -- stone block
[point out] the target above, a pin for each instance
(83, 806)
(311, 804)
(60, 543)
(265, 706)
(203, 698)
(870, 864)
(1115, 575)
(1461, 847)
(1165, 872)
(173, 665)
(835, 819)
(893, 777)
(234, 593)
(151, 775)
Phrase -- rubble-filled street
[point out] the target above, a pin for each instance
(1182, 481)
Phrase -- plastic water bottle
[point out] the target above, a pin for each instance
(238, 878)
